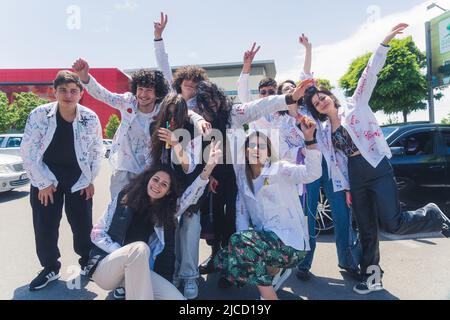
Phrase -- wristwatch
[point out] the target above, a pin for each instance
(310, 143)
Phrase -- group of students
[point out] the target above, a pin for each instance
(146, 246)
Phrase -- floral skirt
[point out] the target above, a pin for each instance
(248, 255)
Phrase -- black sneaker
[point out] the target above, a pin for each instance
(44, 278)
(303, 274)
(207, 266)
(446, 224)
(446, 229)
(119, 294)
(365, 288)
(353, 273)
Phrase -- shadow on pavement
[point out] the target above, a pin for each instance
(13, 195)
(56, 290)
(321, 288)
(318, 288)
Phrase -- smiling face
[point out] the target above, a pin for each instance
(145, 96)
(158, 186)
(68, 95)
(324, 104)
(287, 88)
(257, 150)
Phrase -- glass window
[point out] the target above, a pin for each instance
(418, 143)
(387, 131)
(1, 140)
(14, 142)
(446, 135)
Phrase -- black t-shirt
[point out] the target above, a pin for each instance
(60, 155)
(141, 228)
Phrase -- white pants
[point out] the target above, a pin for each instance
(129, 266)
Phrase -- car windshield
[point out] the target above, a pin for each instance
(387, 131)
(1, 141)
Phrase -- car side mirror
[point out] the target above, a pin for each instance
(398, 151)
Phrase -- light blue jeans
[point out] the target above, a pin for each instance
(348, 249)
(187, 242)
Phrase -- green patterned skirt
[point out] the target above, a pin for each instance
(248, 255)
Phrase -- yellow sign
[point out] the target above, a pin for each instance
(440, 49)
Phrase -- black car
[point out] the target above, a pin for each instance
(421, 161)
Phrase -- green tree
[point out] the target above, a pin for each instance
(446, 120)
(111, 127)
(402, 86)
(324, 83)
(5, 114)
(23, 104)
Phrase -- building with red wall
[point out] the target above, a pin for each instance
(40, 82)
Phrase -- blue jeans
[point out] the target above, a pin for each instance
(348, 250)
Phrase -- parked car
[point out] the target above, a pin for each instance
(421, 162)
(107, 143)
(10, 144)
(12, 173)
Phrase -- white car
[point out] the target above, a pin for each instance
(10, 144)
(12, 173)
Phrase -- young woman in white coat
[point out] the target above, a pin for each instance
(268, 197)
(355, 137)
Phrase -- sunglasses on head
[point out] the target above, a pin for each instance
(267, 92)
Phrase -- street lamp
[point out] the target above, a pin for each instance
(433, 5)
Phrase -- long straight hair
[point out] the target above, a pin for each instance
(271, 154)
(180, 118)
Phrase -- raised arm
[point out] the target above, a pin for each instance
(243, 85)
(252, 111)
(162, 58)
(369, 77)
(308, 55)
(196, 189)
(312, 169)
(115, 100)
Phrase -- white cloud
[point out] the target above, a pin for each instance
(332, 60)
(127, 5)
(193, 55)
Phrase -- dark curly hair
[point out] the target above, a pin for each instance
(180, 116)
(193, 73)
(280, 92)
(310, 93)
(267, 82)
(161, 212)
(150, 79)
(208, 95)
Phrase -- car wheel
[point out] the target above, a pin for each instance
(324, 218)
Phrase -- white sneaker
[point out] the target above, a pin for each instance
(190, 289)
(280, 278)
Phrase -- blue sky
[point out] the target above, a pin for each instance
(119, 33)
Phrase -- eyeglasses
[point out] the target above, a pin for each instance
(267, 92)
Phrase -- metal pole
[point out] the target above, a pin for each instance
(429, 72)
